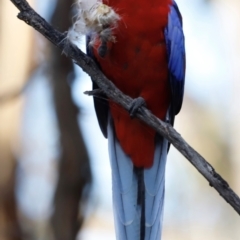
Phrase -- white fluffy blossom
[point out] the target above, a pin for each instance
(93, 18)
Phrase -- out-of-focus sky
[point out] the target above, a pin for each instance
(207, 83)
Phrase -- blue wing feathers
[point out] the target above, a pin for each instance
(176, 56)
(100, 104)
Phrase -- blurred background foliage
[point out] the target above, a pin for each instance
(54, 173)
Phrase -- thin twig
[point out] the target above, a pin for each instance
(28, 15)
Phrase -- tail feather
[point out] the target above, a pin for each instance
(138, 194)
(154, 178)
(123, 180)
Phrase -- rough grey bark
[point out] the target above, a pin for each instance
(28, 15)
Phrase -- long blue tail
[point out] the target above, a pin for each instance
(138, 194)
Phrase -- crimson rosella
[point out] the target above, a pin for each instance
(139, 45)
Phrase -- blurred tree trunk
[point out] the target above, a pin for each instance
(74, 166)
(13, 76)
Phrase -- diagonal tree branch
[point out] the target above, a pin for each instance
(28, 15)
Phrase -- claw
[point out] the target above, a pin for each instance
(135, 105)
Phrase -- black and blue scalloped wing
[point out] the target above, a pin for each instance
(100, 103)
(176, 57)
